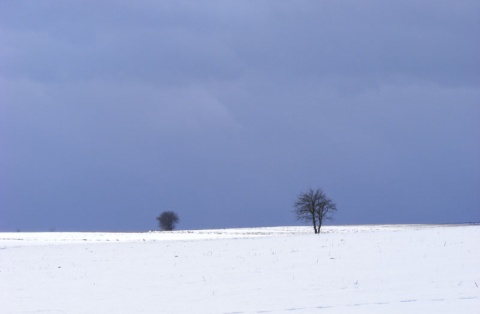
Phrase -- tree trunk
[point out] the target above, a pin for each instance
(314, 224)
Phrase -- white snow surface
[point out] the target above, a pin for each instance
(346, 269)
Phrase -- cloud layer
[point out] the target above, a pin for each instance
(113, 111)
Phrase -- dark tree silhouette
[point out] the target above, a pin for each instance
(314, 206)
(168, 220)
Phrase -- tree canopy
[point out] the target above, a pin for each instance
(168, 220)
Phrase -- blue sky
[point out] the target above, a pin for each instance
(224, 111)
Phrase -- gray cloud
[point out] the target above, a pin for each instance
(111, 112)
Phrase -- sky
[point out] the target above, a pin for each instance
(112, 112)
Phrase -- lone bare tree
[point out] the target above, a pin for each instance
(314, 206)
(168, 220)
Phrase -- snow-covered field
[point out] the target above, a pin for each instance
(346, 269)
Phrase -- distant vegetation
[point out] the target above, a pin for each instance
(314, 206)
(168, 220)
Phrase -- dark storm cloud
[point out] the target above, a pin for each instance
(112, 111)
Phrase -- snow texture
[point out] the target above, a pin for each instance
(346, 269)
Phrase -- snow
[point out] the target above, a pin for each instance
(346, 269)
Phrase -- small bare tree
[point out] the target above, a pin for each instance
(314, 206)
(168, 220)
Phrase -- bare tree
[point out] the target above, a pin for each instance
(168, 220)
(314, 206)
